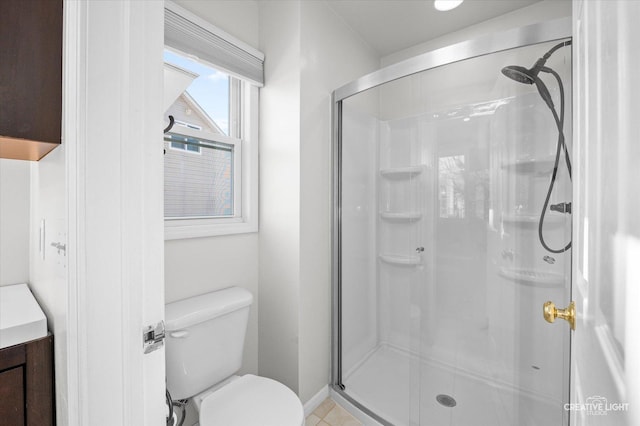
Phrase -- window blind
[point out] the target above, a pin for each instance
(191, 35)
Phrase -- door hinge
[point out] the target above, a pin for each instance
(153, 337)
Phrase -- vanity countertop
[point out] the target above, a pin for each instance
(21, 318)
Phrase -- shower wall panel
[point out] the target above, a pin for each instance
(399, 182)
(359, 257)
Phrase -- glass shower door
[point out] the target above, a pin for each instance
(488, 357)
(403, 257)
(381, 258)
(444, 266)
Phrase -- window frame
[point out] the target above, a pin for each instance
(186, 147)
(245, 217)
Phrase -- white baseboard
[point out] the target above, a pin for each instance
(316, 400)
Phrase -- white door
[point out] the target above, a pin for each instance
(113, 146)
(605, 353)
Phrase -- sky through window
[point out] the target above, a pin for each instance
(210, 90)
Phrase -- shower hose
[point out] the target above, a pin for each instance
(561, 146)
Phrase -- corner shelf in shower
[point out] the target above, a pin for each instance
(401, 217)
(520, 219)
(532, 277)
(399, 260)
(398, 173)
(540, 166)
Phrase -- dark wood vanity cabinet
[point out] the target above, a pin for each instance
(26, 384)
(30, 78)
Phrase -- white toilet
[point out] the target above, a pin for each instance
(204, 342)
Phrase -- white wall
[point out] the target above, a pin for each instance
(309, 53)
(332, 55)
(236, 17)
(200, 265)
(29, 193)
(280, 192)
(48, 274)
(14, 221)
(537, 12)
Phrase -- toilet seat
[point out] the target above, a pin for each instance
(252, 400)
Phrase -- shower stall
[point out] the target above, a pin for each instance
(442, 259)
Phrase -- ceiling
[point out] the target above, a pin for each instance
(389, 26)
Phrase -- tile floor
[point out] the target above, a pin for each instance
(331, 414)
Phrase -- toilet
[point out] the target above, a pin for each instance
(204, 343)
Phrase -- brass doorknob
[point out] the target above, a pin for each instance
(568, 314)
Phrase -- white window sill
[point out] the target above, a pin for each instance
(199, 228)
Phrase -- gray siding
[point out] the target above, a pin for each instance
(197, 184)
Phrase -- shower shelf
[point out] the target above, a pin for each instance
(398, 260)
(401, 217)
(549, 219)
(531, 166)
(533, 277)
(401, 172)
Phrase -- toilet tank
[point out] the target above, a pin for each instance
(204, 339)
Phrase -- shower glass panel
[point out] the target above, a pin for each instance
(442, 276)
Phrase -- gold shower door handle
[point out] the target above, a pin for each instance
(568, 314)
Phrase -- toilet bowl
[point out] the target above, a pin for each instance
(204, 343)
(251, 400)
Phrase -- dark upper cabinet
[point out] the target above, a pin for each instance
(30, 78)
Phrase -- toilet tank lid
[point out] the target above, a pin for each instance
(194, 310)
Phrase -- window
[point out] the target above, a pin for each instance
(211, 150)
(201, 186)
(451, 186)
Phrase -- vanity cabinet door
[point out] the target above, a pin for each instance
(12, 397)
(27, 385)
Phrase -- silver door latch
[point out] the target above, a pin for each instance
(153, 337)
(60, 247)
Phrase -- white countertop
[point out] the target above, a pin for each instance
(21, 318)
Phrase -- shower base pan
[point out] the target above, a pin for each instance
(381, 383)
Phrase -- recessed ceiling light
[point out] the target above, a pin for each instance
(444, 5)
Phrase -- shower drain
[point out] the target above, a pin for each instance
(446, 400)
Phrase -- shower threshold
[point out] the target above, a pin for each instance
(383, 383)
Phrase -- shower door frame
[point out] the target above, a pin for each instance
(543, 32)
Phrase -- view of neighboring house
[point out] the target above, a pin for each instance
(198, 180)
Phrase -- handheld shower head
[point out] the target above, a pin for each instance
(523, 75)
(530, 76)
(519, 74)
